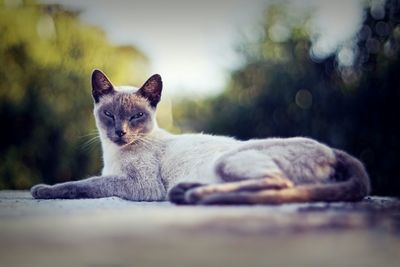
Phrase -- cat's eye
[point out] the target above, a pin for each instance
(108, 114)
(137, 116)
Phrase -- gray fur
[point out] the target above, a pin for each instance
(144, 162)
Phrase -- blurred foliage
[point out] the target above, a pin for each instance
(349, 100)
(46, 58)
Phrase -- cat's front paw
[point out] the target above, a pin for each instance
(40, 191)
(177, 193)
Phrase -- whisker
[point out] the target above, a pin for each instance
(89, 144)
(92, 133)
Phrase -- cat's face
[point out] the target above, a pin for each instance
(125, 117)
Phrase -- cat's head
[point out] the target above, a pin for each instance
(125, 115)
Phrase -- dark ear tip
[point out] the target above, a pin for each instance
(96, 72)
(156, 77)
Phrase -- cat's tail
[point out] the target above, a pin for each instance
(350, 183)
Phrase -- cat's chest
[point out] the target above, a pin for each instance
(113, 164)
(127, 163)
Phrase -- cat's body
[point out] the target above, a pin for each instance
(144, 162)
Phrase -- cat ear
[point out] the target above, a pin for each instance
(151, 89)
(101, 85)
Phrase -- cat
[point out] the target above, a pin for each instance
(143, 162)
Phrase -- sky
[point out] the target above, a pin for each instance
(191, 43)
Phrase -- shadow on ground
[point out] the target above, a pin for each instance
(114, 232)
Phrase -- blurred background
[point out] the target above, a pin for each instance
(324, 70)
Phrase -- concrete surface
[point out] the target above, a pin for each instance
(114, 232)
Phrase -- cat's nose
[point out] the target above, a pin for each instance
(120, 133)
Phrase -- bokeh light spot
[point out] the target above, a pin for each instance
(303, 99)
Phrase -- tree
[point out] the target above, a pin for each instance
(46, 58)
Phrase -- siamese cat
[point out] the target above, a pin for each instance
(145, 163)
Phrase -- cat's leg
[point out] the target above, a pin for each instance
(248, 170)
(272, 165)
(264, 196)
(300, 160)
(350, 182)
(192, 193)
(177, 193)
(102, 186)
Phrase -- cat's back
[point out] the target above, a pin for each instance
(197, 146)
